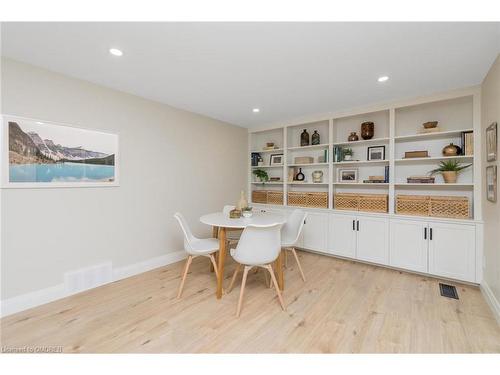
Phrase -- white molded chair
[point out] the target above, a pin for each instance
(290, 234)
(259, 246)
(195, 247)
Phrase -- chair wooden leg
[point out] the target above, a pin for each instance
(268, 280)
(278, 292)
(186, 269)
(242, 291)
(233, 279)
(298, 263)
(286, 259)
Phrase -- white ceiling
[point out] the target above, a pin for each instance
(288, 70)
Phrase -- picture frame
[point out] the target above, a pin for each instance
(376, 153)
(491, 142)
(38, 153)
(276, 159)
(491, 183)
(347, 175)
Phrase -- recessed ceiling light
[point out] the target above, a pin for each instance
(115, 51)
(256, 110)
(383, 78)
(39, 123)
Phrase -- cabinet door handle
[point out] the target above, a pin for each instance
(430, 234)
(353, 225)
(357, 225)
(425, 233)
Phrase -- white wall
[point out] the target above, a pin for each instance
(490, 112)
(171, 160)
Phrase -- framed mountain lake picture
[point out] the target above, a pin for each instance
(38, 154)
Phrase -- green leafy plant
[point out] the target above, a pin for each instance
(246, 209)
(449, 166)
(348, 151)
(261, 175)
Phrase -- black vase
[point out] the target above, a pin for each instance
(304, 138)
(315, 138)
(300, 176)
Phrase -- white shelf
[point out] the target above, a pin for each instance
(267, 183)
(307, 183)
(267, 166)
(445, 134)
(362, 183)
(308, 165)
(361, 162)
(437, 184)
(363, 141)
(431, 158)
(323, 145)
(264, 151)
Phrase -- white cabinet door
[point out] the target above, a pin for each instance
(409, 245)
(342, 235)
(373, 239)
(452, 251)
(315, 231)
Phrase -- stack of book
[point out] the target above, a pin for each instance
(374, 180)
(468, 143)
(420, 180)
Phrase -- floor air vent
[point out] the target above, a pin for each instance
(448, 291)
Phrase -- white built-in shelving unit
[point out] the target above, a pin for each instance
(398, 128)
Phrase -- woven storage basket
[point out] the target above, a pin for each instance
(346, 201)
(418, 205)
(373, 202)
(274, 197)
(297, 199)
(305, 199)
(259, 196)
(453, 207)
(318, 199)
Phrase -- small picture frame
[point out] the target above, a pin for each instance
(376, 153)
(491, 183)
(349, 175)
(276, 159)
(491, 142)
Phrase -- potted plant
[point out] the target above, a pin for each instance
(347, 153)
(246, 211)
(449, 169)
(261, 175)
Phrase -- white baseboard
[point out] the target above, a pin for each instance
(40, 297)
(491, 300)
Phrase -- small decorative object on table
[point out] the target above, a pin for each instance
(261, 175)
(449, 169)
(491, 142)
(242, 202)
(451, 150)
(315, 138)
(234, 214)
(304, 138)
(367, 130)
(491, 183)
(353, 137)
(300, 176)
(246, 211)
(317, 176)
(276, 159)
(376, 153)
(348, 153)
(347, 175)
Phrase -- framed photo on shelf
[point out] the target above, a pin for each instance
(491, 183)
(276, 159)
(376, 153)
(347, 175)
(491, 142)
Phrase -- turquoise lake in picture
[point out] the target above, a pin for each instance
(61, 172)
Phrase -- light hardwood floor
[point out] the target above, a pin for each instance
(343, 307)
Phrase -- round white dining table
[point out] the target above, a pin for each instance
(221, 223)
